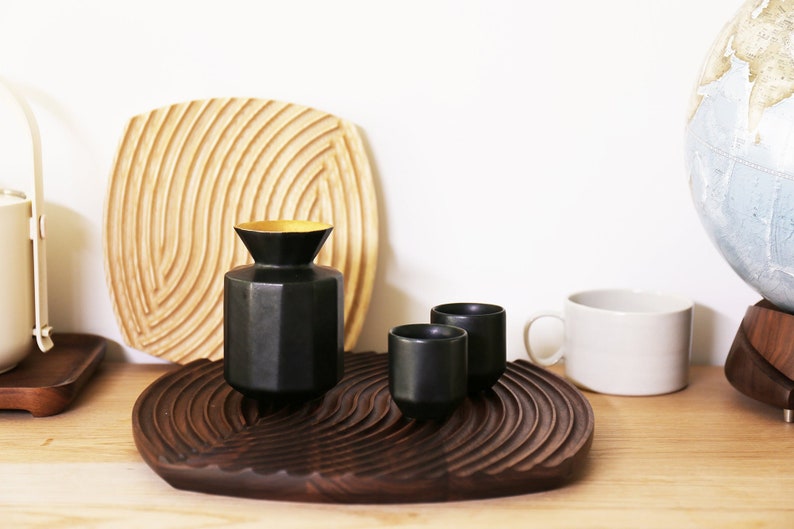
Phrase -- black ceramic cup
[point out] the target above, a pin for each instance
(427, 369)
(486, 326)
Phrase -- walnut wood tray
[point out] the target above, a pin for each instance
(46, 383)
(531, 432)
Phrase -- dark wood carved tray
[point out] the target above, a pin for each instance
(46, 383)
(531, 432)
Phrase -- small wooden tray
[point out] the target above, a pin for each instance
(531, 432)
(46, 383)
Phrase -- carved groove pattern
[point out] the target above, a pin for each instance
(185, 174)
(531, 432)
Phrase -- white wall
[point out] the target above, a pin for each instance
(522, 150)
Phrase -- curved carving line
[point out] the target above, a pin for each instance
(185, 174)
(352, 445)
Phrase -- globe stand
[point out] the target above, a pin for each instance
(760, 363)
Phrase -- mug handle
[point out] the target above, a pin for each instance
(554, 357)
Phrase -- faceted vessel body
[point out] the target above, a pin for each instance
(283, 315)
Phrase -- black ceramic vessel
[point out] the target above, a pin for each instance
(283, 315)
(486, 326)
(427, 369)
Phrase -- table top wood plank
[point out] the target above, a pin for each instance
(706, 456)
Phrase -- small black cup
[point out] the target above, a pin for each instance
(427, 369)
(486, 326)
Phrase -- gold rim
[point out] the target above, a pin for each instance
(281, 226)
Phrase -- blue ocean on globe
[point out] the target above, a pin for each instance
(739, 148)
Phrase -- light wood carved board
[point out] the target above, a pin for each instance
(185, 174)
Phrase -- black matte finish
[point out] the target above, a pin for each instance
(486, 325)
(283, 324)
(283, 247)
(427, 369)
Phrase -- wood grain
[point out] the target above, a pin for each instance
(45, 384)
(703, 457)
(771, 331)
(760, 362)
(185, 174)
(531, 432)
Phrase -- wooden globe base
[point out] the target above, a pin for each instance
(760, 363)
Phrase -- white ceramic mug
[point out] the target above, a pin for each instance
(622, 342)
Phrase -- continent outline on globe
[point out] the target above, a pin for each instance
(739, 147)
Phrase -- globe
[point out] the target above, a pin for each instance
(739, 147)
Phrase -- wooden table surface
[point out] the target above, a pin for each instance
(703, 457)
